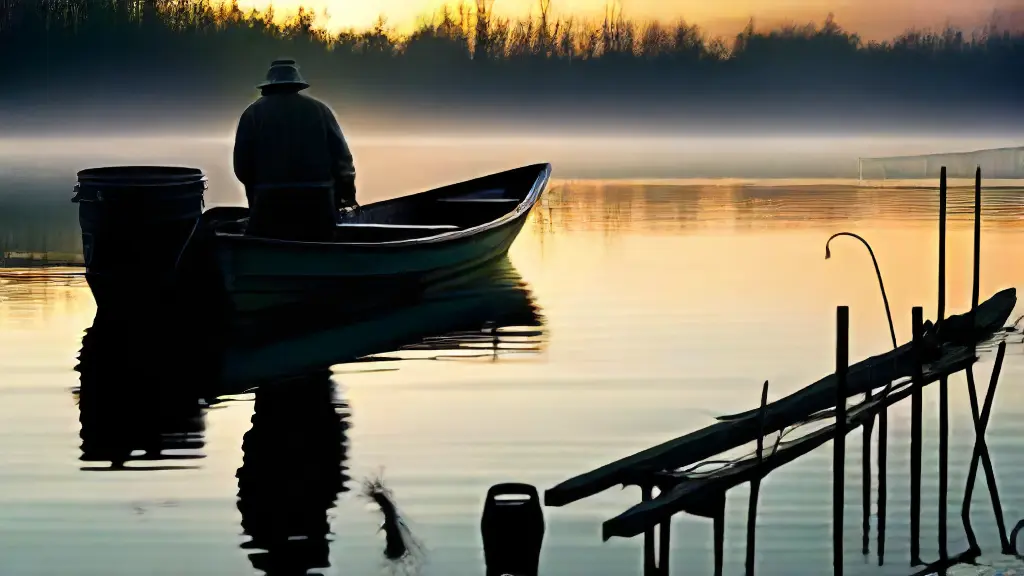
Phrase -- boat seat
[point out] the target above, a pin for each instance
(437, 227)
(371, 232)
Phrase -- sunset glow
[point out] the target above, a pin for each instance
(873, 19)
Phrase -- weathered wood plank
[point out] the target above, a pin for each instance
(869, 374)
(692, 492)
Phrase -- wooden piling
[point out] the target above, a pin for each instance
(943, 382)
(755, 488)
(839, 444)
(915, 438)
(976, 292)
(942, 245)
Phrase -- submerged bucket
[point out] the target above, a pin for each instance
(135, 222)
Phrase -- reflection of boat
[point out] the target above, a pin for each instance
(142, 381)
(404, 242)
(483, 304)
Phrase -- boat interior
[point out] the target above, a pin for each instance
(450, 208)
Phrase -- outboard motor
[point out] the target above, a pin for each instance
(512, 530)
(135, 222)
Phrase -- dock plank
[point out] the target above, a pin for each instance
(690, 492)
(869, 374)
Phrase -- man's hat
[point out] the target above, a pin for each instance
(284, 73)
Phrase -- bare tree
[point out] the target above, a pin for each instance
(481, 43)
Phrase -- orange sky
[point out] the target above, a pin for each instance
(873, 19)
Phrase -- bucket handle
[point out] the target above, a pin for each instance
(77, 198)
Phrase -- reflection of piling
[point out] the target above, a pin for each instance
(883, 449)
(916, 406)
(650, 567)
(755, 487)
(664, 545)
(719, 535)
(981, 454)
(866, 485)
(839, 443)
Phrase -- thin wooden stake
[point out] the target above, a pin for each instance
(943, 466)
(976, 292)
(944, 381)
(866, 485)
(940, 313)
(839, 445)
(755, 487)
(915, 439)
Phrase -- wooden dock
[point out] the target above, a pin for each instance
(685, 482)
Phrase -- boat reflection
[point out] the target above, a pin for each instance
(145, 388)
(491, 308)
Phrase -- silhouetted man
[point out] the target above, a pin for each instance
(287, 139)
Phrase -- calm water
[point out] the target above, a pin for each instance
(660, 306)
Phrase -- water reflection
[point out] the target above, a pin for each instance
(662, 207)
(293, 470)
(490, 311)
(146, 383)
(137, 400)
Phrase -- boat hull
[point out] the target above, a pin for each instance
(258, 279)
(260, 275)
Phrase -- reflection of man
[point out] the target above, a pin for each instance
(286, 137)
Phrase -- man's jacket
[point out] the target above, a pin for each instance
(292, 138)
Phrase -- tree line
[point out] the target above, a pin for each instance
(200, 49)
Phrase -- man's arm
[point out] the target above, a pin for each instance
(342, 166)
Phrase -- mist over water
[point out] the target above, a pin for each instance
(37, 174)
(390, 164)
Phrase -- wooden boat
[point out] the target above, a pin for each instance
(948, 341)
(378, 249)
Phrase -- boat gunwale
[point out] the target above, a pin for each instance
(523, 207)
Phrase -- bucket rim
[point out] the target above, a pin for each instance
(140, 174)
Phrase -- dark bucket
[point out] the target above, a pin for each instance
(135, 222)
(512, 528)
